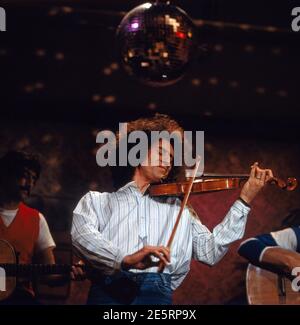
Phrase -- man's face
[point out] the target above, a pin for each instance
(158, 163)
(25, 183)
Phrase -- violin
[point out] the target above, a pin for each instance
(213, 183)
(207, 183)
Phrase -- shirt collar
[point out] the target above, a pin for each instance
(134, 186)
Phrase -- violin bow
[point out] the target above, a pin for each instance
(183, 204)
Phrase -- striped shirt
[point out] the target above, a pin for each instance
(108, 226)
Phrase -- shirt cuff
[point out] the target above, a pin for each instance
(242, 206)
(244, 202)
(118, 261)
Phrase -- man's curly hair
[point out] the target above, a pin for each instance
(159, 122)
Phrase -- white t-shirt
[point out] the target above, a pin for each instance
(44, 240)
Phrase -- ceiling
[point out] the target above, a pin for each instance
(58, 62)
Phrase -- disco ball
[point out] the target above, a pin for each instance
(156, 42)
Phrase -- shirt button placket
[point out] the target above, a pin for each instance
(142, 221)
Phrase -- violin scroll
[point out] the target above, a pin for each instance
(289, 185)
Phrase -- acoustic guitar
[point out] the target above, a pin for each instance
(10, 270)
(268, 288)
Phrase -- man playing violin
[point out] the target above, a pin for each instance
(124, 234)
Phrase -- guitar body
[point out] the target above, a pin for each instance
(268, 288)
(11, 271)
(7, 255)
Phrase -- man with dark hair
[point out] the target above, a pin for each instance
(19, 172)
(124, 234)
(23, 227)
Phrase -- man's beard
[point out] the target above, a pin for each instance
(26, 189)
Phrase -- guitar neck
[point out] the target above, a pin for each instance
(35, 269)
